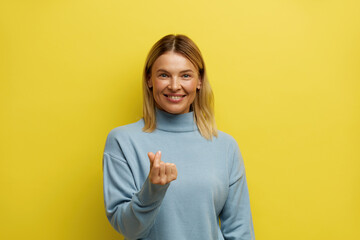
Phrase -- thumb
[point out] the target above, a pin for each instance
(151, 156)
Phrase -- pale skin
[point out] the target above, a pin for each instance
(172, 73)
(161, 172)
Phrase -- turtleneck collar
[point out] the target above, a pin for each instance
(175, 122)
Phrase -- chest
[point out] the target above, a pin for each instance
(202, 168)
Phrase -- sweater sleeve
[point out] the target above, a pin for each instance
(236, 217)
(131, 211)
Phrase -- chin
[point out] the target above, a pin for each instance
(175, 110)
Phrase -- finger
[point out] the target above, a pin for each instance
(168, 172)
(155, 170)
(151, 156)
(157, 158)
(163, 179)
(174, 172)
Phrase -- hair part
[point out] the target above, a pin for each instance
(203, 104)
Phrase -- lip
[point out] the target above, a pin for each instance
(173, 94)
(174, 100)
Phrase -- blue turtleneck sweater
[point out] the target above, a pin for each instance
(211, 183)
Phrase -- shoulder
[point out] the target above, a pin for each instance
(127, 129)
(232, 147)
(226, 139)
(122, 134)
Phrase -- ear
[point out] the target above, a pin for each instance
(199, 84)
(149, 82)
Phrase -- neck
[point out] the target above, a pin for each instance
(175, 122)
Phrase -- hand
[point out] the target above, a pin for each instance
(161, 172)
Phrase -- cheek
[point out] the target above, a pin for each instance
(190, 86)
(159, 85)
(158, 89)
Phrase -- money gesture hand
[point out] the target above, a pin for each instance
(161, 172)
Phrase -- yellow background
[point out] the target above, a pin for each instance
(285, 74)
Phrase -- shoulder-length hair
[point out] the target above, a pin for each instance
(203, 105)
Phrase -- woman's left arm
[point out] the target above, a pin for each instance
(236, 217)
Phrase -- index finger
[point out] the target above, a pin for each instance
(151, 156)
(157, 158)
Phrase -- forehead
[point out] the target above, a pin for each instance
(172, 61)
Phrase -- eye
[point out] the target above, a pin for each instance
(186, 76)
(164, 75)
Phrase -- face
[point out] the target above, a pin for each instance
(174, 80)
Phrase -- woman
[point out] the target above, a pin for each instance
(172, 175)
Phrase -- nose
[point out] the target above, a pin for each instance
(174, 84)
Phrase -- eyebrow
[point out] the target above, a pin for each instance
(163, 70)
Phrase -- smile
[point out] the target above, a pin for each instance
(176, 99)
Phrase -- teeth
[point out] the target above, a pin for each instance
(174, 97)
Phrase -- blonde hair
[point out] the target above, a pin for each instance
(203, 105)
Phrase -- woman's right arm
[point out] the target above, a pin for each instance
(132, 211)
